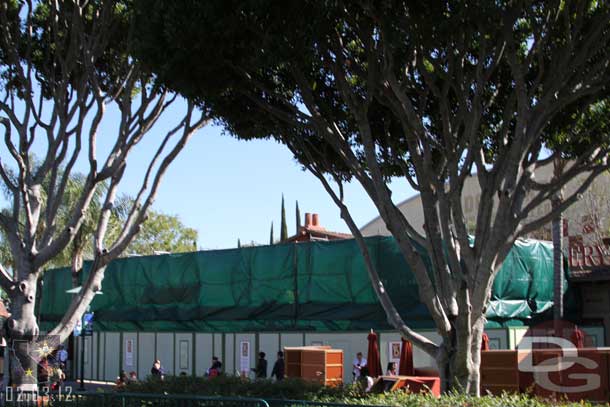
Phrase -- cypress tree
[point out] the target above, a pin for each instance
(298, 216)
(238, 243)
(271, 235)
(284, 227)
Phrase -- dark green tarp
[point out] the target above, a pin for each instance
(320, 286)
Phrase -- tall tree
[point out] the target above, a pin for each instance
(284, 226)
(159, 233)
(297, 213)
(63, 65)
(271, 240)
(238, 243)
(432, 92)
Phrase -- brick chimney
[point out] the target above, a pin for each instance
(308, 220)
(315, 220)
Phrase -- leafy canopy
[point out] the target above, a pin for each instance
(255, 64)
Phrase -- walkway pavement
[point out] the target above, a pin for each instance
(90, 385)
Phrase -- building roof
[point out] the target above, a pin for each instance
(314, 231)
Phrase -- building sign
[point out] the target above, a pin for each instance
(583, 256)
(244, 358)
(184, 354)
(587, 250)
(129, 352)
(394, 349)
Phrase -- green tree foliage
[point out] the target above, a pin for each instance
(271, 240)
(63, 66)
(163, 233)
(433, 92)
(159, 233)
(5, 253)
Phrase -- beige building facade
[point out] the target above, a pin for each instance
(595, 202)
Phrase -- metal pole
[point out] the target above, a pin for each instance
(82, 363)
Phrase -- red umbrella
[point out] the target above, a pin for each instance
(373, 361)
(578, 338)
(406, 359)
(484, 342)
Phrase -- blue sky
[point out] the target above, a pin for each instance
(227, 188)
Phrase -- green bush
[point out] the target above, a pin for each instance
(233, 386)
(296, 389)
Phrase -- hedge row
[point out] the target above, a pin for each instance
(294, 389)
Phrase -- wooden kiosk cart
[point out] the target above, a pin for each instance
(316, 363)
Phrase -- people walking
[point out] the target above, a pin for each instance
(261, 366)
(215, 369)
(122, 379)
(278, 367)
(157, 370)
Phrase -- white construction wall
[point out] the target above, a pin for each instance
(107, 353)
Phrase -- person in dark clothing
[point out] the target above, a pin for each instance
(261, 366)
(278, 367)
(156, 370)
(216, 363)
(122, 379)
(215, 369)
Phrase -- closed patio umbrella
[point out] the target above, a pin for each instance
(373, 361)
(578, 338)
(405, 367)
(485, 342)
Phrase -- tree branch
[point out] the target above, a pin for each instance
(6, 280)
(392, 313)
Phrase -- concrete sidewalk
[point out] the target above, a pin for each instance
(90, 385)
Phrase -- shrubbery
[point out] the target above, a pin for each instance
(233, 386)
(295, 389)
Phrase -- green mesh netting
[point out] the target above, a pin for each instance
(322, 286)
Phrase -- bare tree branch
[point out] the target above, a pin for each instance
(6, 280)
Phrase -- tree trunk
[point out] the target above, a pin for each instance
(459, 359)
(557, 233)
(22, 334)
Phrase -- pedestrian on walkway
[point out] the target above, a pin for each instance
(157, 370)
(261, 366)
(278, 367)
(215, 369)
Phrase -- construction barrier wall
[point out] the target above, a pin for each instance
(106, 353)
